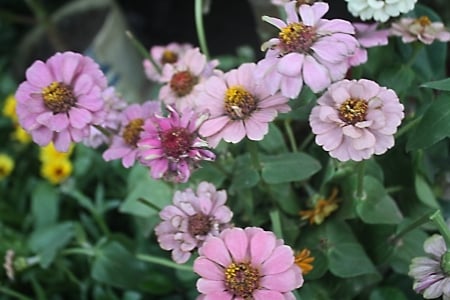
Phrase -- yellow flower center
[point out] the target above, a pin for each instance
(169, 57)
(304, 260)
(241, 279)
(296, 37)
(182, 83)
(423, 21)
(56, 171)
(199, 224)
(176, 141)
(239, 103)
(132, 131)
(58, 97)
(353, 111)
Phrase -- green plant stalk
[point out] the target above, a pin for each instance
(143, 51)
(290, 134)
(420, 221)
(439, 221)
(360, 171)
(200, 28)
(149, 204)
(9, 292)
(164, 262)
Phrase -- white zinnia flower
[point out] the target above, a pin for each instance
(379, 10)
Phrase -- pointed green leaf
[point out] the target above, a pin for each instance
(442, 85)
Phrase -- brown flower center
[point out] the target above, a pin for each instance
(182, 83)
(132, 132)
(241, 279)
(58, 97)
(296, 37)
(169, 57)
(353, 111)
(199, 224)
(423, 21)
(176, 141)
(239, 104)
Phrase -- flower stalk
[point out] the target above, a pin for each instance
(200, 28)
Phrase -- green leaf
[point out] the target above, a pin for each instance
(409, 246)
(399, 78)
(142, 186)
(343, 258)
(390, 293)
(378, 207)
(276, 223)
(44, 204)
(442, 85)
(273, 142)
(46, 242)
(115, 265)
(424, 192)
(434, 126)
(244, 174)
(288, 167)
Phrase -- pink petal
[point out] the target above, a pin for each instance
(367, 140)
(237, 243)
(234, 132)
(207, 269)
(215, 250)
(311, 14)
(212, 126)
(79, 117)
(279, 261)
(291, 86)
(260, 254)
(219, 296)
(69, 67)
(280, 24)
(266, 294)
(315, 75)
(90, 102)
(39, 75)
(83, 85)
(62, 141)
(207, 286)
(256, 130)
(291, 64)
(282, 282)
(58, 122)
(42, 136)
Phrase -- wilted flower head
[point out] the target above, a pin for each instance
(322, 209)
(379, 10)
(60, 99)
(247, 263)
(9, 264)
(308, 50)
(124, 144)
(368, 36)
(171, 146)
(162, 55)
(191, 219)
(6, 165)
(304, 260)
(431, 277)
(422, 29)
(238, 106)
(355, 119)
(183, 79)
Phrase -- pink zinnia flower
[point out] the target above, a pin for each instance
(246, 263)
(183, 79)
(191, 219)
(238, 106)
(162, 55)
(113, 107)
(314, 50)
(171, 146)
(356, 119)
(421, 29)
(60, 99)
(368, 36)
(124, 145)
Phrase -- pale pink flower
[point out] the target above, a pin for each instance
(368, 36)
(60, 99)
(422, 29)
(113, 107)
(355, 119)
(171, 146)
(238, 106)
(312, 50)
(246, 263)
(162, 55)
(191, 219)
(183, 79)
(124, 144)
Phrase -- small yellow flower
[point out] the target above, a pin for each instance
(6, 165)
(56, 171)
(49, 153)
(9, 109)
(322, 209)
(304, 260)
(21, 135)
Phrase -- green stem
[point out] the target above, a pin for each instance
(360, 171)
(417, 48)
(149, 204)
(143, 51)
(422, 220)
(442, 226)
(163, 262)
(290, 134)
(78, 251)
(8, 292)
(306, 141)
(404, 129)
(200, 28)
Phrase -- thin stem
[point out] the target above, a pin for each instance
(78, 251)
(404, 129)
(306, 141)
(200, 28)
(104, 131)
(8, 292)
(163, 262)
(417, 48)
(360, 169)
(149, 204)
(442, 226)
(290, 134)
(422, 220)
(143, 51)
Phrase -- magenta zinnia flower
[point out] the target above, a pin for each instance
(356, 119)
(60, 99)
(238, 106)
(191, 219)
(162, 55)
(247, 263)
(171, 146)
(311, 50)
(421, 29)
(124, 145)
(183, 79)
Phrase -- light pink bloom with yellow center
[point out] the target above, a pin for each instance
(247, 263)
(124, 144)
(421, 29)
(183, 79)
(238, 106)
(355, 119)
(162, 55)
(172, 147)
(191, 219)
(308, 50)
(60, 99)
